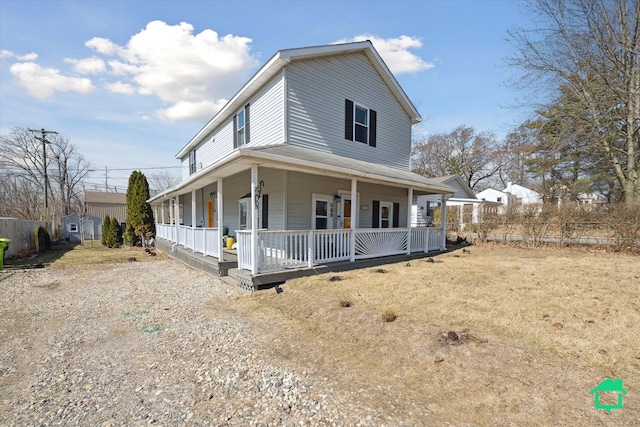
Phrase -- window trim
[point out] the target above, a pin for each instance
(356, 123)
(246, 139)
(315, 197)
(192, 162)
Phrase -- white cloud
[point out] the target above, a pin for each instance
(28, 57)
(189, 110)
(120, 87)
(103, 46)
(395, 52)
(9, 54)
(91, 65)
(42, 82)
(194, 72)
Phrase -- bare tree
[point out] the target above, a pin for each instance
(21, 157)
(163, 180)
(591, 48)
(462, 151)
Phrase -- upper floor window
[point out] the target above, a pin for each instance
(192, 162)
(241, 127)
(360, 123)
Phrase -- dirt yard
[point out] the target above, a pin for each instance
(490, 336)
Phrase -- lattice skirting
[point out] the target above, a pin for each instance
(244, 284)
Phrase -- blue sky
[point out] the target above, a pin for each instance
(130, 82)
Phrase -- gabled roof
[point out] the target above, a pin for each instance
(283, 58)
(463, 191)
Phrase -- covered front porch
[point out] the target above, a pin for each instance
(290, 213)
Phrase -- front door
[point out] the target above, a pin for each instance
(346, 211)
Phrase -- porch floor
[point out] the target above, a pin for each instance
(242, 279)
(270, 279)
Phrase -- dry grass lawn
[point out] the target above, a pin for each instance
(536, 330)
(63, 255)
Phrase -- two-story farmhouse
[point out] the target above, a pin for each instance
(308, 164)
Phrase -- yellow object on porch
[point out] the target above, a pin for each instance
(230, 242)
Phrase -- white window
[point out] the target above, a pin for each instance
(241, 123)
(241, 139)
(386, 214)
(245, 213)
(192, 162)
(361, 124)
(73, 227)
(322, 212)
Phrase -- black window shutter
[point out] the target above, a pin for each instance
(235, 131)
(265, 211)
(396, 215)
(348, 120)
(373, 118)
(246, 124)
(375, 222)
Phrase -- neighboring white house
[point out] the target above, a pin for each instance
(464, 199)
(512, 194)
(308, 164)
(592, 199)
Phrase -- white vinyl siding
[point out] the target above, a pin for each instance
(299, 189)
(267, 114)
(266, 124)
(370, 192)
(317, 89)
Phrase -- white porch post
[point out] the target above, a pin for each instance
(171, 225)
(355, 209)
(444, 222)
(193, 219)
(176, 217)
(254, 220)
(220, 220)
(162, 210)
(409, 206)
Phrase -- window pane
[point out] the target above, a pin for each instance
(385, 213)
(241, 119)
(361, 115)
(321, 223)
(241, 137)
(361, 134)
(243, 215)
(321, 208)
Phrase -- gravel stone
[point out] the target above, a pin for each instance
(149, 343)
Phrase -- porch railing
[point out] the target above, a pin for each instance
(201, 240)
(282, 250)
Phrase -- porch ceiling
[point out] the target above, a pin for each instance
(294, 158)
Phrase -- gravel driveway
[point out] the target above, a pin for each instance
(149, 343)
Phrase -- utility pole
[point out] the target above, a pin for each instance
(43, 138)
